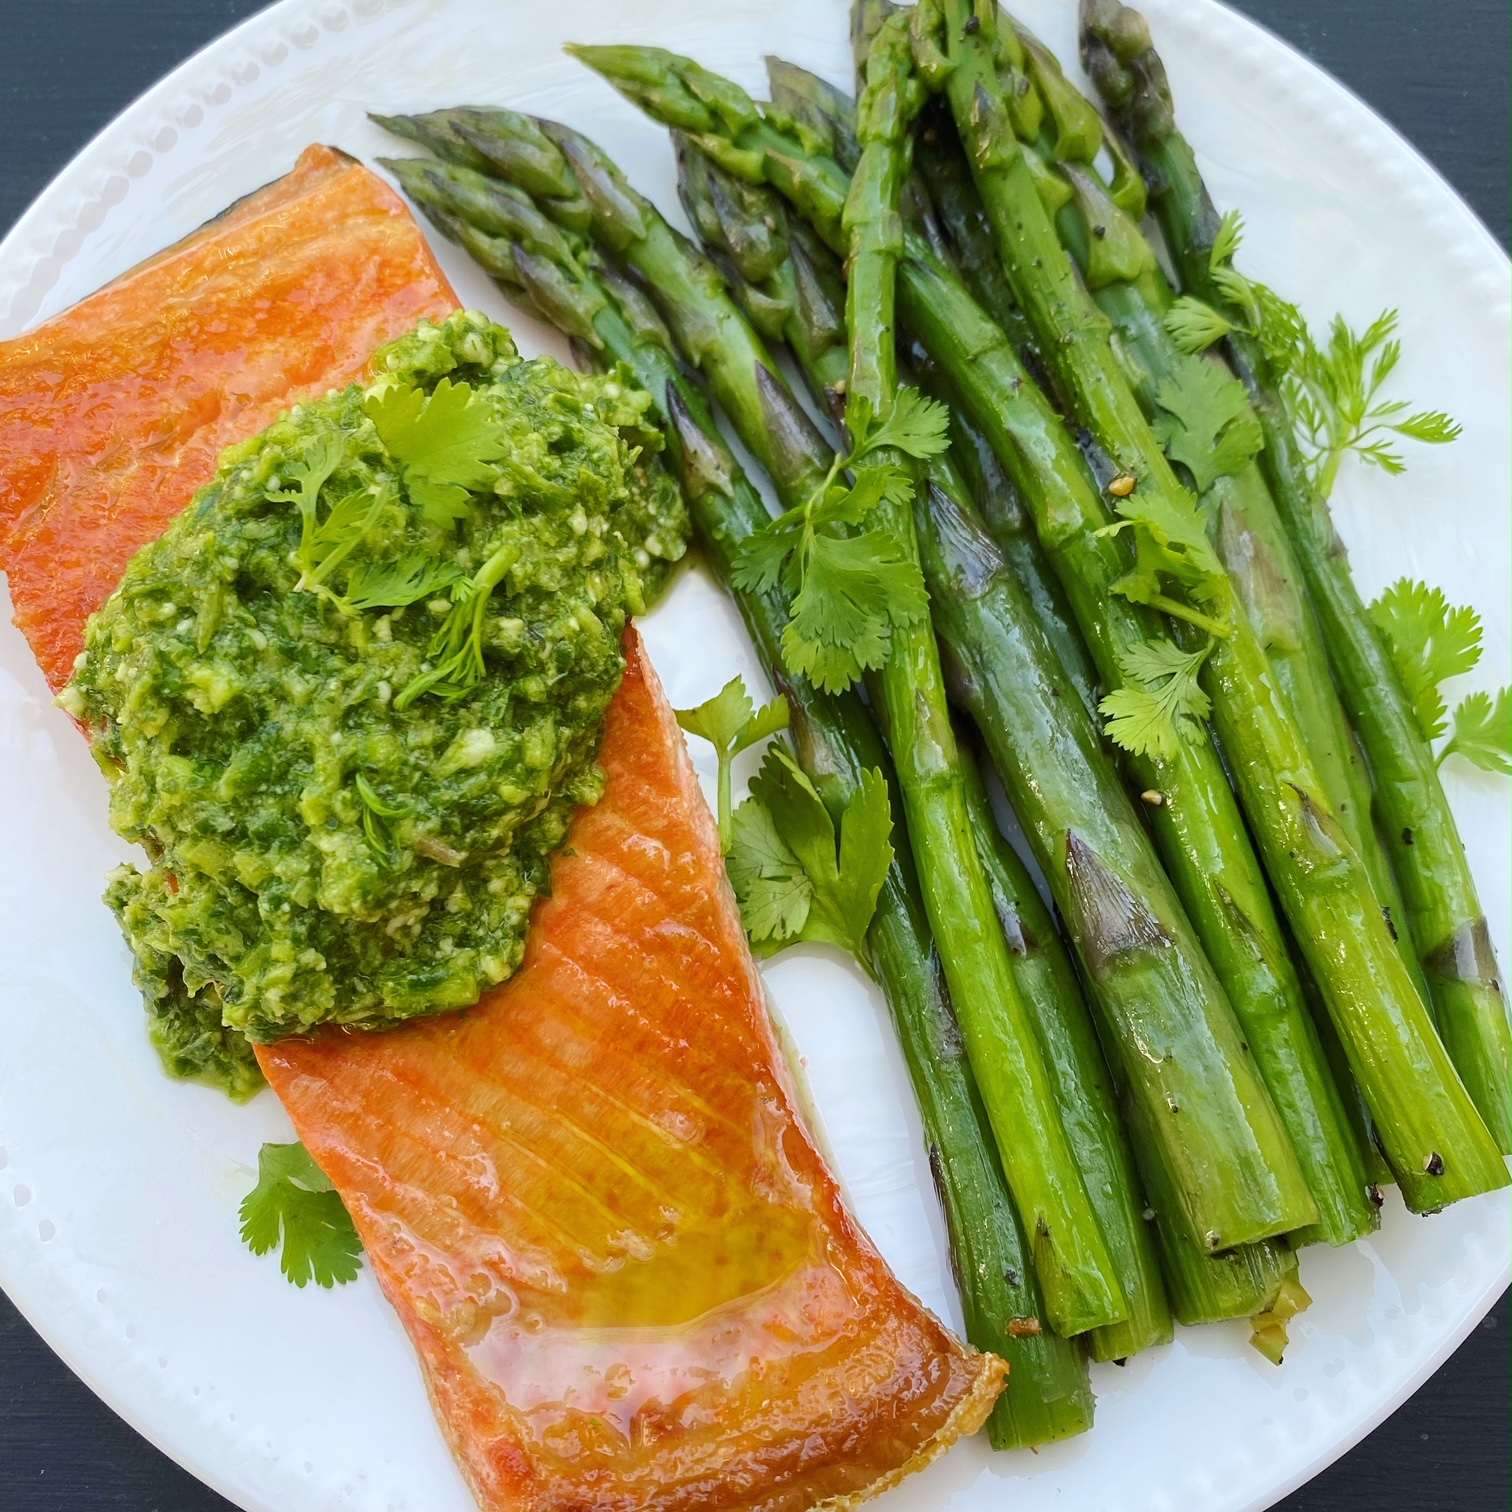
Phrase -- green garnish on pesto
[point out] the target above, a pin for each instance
(349, 701)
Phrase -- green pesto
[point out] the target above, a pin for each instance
(332, 837)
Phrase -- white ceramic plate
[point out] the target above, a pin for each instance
(119, 1188)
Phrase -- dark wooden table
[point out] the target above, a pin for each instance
(1439, 72)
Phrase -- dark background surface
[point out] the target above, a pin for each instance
(1439, 72)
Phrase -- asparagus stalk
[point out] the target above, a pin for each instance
(1071, 1260)
(1448, 924)
(1011, 526)
(1241, 1282)
(835, 741)
(1132, 291)
(1435, 1140)
(1068, 1040)
(1041, 969)
(1215, 863)
(1083, 1287)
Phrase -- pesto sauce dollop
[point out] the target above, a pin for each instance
(350, 699)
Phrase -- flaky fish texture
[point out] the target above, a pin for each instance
(630, 1279)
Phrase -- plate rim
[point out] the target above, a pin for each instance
(114, 141)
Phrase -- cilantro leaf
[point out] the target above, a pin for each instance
(1208, 425)
(1482, 733)
(791, 881)
(394, 585)
(325, 543)
(855, 589)
(294, 1201)
(770, 884)
(760, 558)
(1429, 641)
(446, 441)
(1162, 703)
(731, 723)
(1170, 541)
(308, 476)
(1195, 326)
(917, 426)
(456, 649)
(878, 484)
(866, 854)
(850, 592)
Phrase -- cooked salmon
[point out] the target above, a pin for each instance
(114, 413)
(630, 1279)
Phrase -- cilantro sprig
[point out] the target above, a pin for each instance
(327, 541)
(1430, 641)
(446, 441)
(850, 591)
(1332, 390)
(1161, 703)
(1206, 423)
(1171, 544)
(294, 1203)
(731, 723)
(456, 649)
(794, 876)
(376, 814)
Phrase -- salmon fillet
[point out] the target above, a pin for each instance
(630, 1279)
(113, 413)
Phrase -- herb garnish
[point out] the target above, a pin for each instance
(849, 591)
(1207, 425)
(1162, 703)
(1330, 390)
(295, 1202)
(793, 877)
(731, 723)
(1431, 641)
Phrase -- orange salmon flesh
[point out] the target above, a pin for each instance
(630, 1279)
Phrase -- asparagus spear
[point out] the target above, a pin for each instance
(1435, 1140)
(836, 741)
(1221, 873)
(1071, 1259)
(1241, 1282)
(1068, 1040)
(1448, 924)
(785, 281)
(1041, 970)
(909, 692)
(822, 107)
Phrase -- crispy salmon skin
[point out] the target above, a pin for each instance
(629, 1276)
(113, 413)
